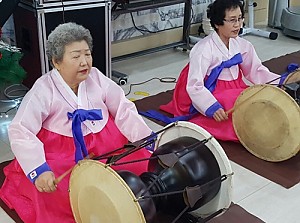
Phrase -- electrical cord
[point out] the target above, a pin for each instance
(137, 28)
(9, 92)
(63, 11)
(5, 113)
(163, 80)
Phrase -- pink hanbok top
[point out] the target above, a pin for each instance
(209, 53)
(206, 55)
(41, 135)
(46, 106)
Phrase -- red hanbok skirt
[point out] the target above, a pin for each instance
(226, 92)
(33, 206)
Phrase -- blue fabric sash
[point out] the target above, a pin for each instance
(160, 117)
(79, 116)
(210, 84)
(211, 81)
(290, 68)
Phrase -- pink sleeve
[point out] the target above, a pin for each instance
(127, 119)
(253, 69)
(200, 62)
(23, 129)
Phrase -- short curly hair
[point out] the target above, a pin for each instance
(216, 11)
(63, 35)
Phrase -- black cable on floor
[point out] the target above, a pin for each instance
(10, 94)
(163, 80)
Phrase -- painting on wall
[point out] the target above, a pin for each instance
(8, 32)
(148, 21)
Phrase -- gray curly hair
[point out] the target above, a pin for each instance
(63, 35)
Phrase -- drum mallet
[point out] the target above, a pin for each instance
(235, 107)
(58, 179)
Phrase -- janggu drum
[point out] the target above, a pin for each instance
(189, 177)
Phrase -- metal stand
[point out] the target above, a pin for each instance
(251, 30)
(119, 77)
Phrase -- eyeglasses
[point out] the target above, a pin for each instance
(234, 20)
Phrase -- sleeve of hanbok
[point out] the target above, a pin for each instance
(201, 97)
(23, 130)
(124, 111)
(253, 69)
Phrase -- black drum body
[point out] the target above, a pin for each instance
(185, 175)
(293, 89)
(139, 188)
(292, 85)
(194, 168)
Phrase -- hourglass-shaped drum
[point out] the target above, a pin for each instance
(187, 173)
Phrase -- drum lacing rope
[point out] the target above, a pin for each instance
(198, 188)
(170, 159)
(192, 194)
(129, 148)
(164, 159)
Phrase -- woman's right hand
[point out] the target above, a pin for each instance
(45, 182)
(220, 115)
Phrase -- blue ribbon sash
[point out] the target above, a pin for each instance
(79, 116)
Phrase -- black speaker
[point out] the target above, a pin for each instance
(7, 8)
(32, 26)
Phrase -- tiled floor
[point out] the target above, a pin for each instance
(265, 199)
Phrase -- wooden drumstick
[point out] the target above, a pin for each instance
(58, 179)
(235, 107)
(230, 110)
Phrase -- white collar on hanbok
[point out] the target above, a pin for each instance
(66, 86)
(233, 45)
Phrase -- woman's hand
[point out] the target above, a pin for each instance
(220, 115)
(45, 182)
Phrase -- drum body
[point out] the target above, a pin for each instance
(266, 120)
(293, 77)
(100, 194)
(224, 196)
(291, 85)
(194, 168)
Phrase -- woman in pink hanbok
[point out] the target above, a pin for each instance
(70, 112)
(215, 76)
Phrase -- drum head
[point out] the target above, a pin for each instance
(99, 194)
(223, 198)
(293, 77)
(266, 120)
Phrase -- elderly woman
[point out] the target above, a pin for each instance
(70, 112)
(210, 84)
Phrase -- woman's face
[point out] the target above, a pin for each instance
(232, 23)
(76, 63)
